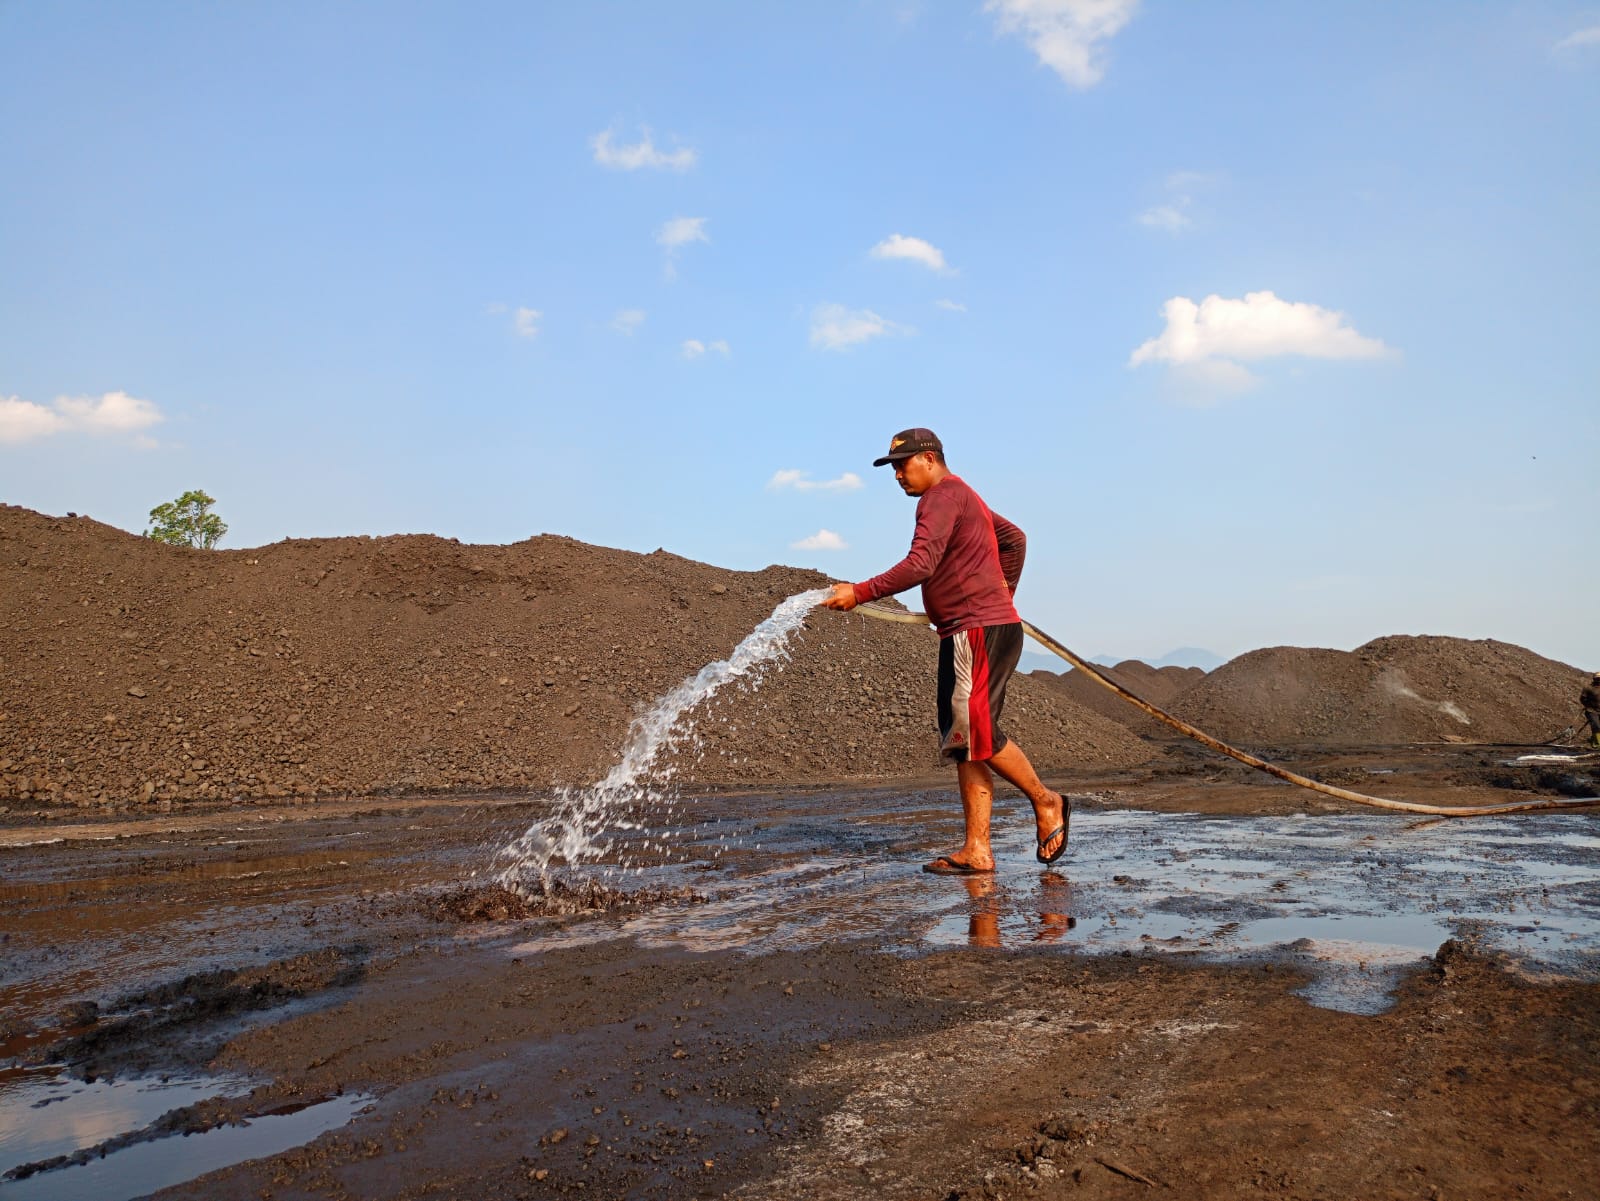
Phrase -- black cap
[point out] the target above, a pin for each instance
(910, 442)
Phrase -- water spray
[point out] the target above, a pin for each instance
(577, 831)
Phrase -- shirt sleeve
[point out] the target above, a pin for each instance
(1013, 549)
(936, 520)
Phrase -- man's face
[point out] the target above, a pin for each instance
(916, 474)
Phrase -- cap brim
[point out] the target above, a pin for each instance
(887, 459)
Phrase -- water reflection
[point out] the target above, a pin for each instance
(990, 902)
(1353, 899)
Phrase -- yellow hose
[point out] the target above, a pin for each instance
(1272, 769)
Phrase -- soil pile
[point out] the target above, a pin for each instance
(1392, 690)
(1158, 685)
(139, 672)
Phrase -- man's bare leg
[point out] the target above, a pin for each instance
(1048, 807)
(977, 802)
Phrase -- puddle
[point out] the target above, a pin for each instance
(178, 873)
(45, 1114)
(1353, 901)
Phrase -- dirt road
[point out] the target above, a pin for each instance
(1230, 990)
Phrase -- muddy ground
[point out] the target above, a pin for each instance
(787, 1007)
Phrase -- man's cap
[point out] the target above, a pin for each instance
(910, 442)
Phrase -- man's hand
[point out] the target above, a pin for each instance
(843, 598)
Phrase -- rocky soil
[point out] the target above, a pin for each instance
(811, 1017)
(1158, 685)
(1392, 690)
(139, 673)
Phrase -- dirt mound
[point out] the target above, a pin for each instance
(1392, 690)
(143, 673)
(181, 1005)
(471, 904)
(1158, 685)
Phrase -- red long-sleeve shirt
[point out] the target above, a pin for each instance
(967, 559)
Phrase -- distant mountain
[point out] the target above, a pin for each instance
(1033, 660)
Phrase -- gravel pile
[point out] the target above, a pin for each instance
(138, 673)
(1158, 685)
(1398, 689)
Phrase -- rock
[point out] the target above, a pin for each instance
(138, 692)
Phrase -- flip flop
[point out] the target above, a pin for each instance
(946, 866)
(1066, 817)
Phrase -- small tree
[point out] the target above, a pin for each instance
(187, 522)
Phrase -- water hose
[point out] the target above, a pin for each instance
(1216, 744)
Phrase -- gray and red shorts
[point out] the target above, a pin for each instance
(974, 668)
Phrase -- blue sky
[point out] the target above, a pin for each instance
(1269, 323)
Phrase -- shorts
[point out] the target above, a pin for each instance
(974, 668)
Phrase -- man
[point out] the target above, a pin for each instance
(1589, 698)
(968, 561)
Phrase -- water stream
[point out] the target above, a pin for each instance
(582, 827)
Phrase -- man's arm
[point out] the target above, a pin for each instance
(1013, 549)
(936, 521)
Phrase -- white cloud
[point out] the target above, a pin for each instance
(112, 413)
(800, 482)
(22, 420)
(1581, 38)
(680, 231)
(950, 306)
(1171, 217)
(526, 322)
(821, 540)
(1067, 35)
(642, 153)
(898, 246)
(834, 327)
(1207, 340)
(627, 321)
(693, 348)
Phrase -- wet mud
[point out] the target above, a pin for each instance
(499, 902)
(1227, 989)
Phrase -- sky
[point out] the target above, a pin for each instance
(1270, 324)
